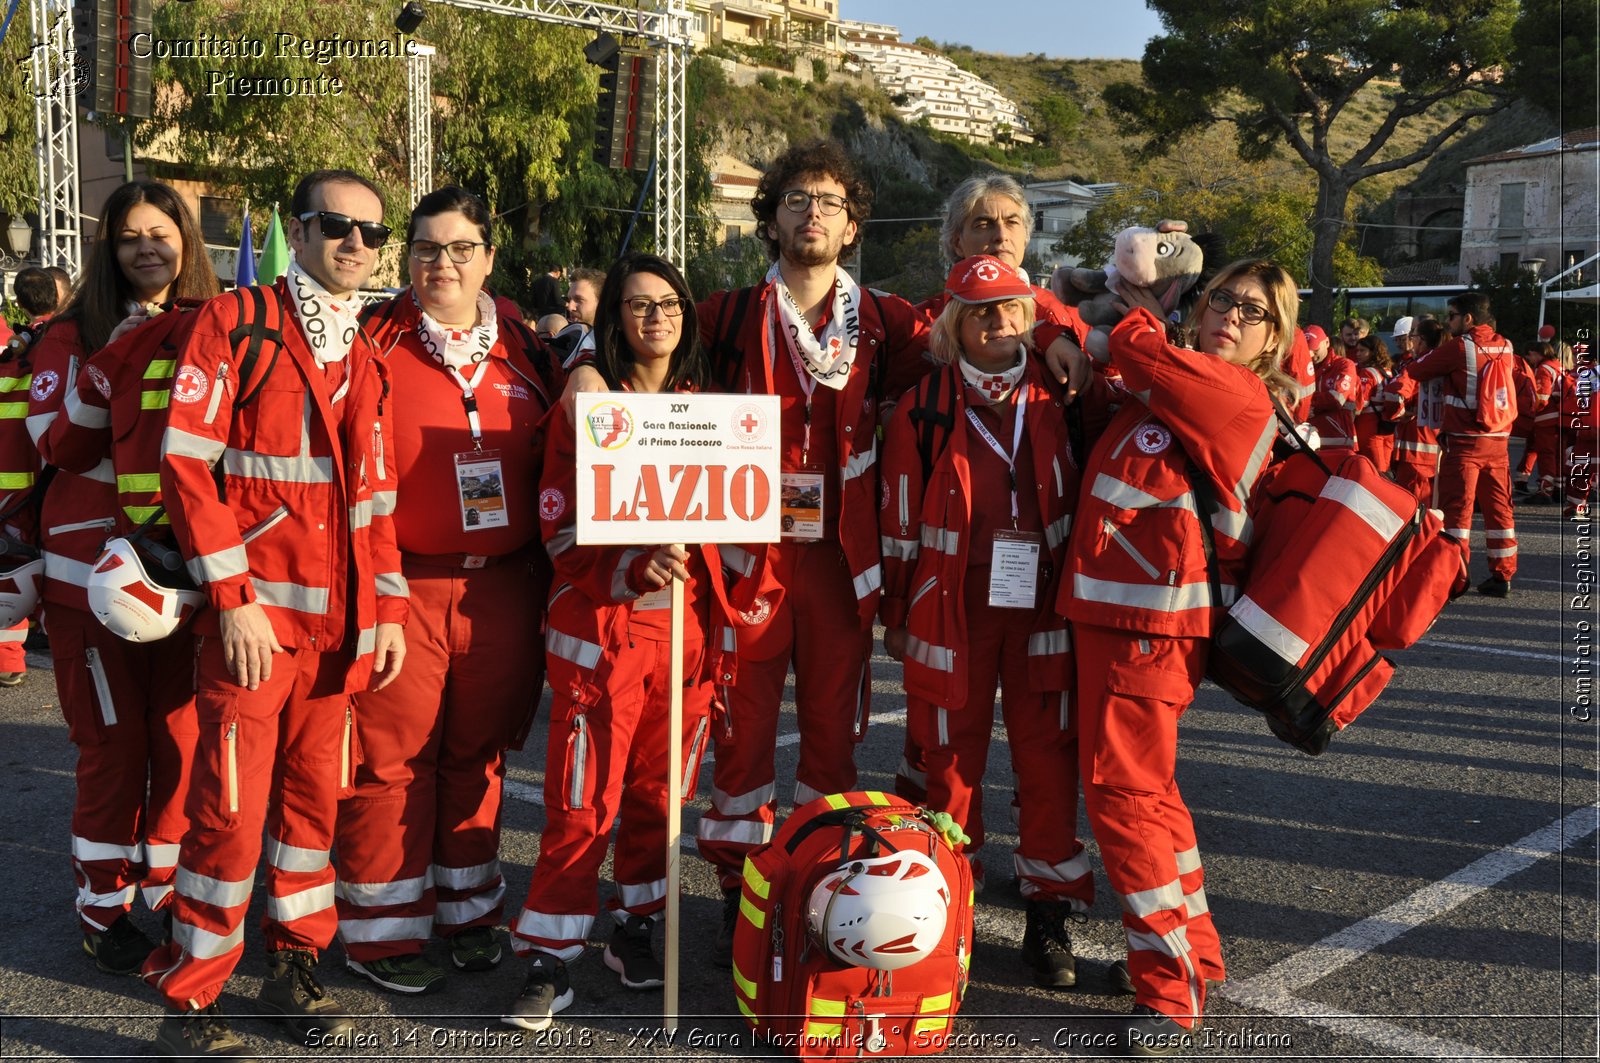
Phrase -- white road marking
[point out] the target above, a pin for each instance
(1493, 650)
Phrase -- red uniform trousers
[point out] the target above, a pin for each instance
(13, 658)
(1546, 447)
(1420, 480)
(418, 840)
(276, 756)
(602, 761)
(1477, 468)
(130, 711)
(1049, 859)
(1131, 691)
(817, 626)
(1371, 443)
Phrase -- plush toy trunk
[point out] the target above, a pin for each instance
(792, 991)
(1343, 566)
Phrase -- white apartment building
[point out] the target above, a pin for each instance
(805, 25)
(1058, 208)
(925, 84)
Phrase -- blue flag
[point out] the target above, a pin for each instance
(245, 274)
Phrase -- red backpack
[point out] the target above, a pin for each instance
(1494, 389)
(789, 986)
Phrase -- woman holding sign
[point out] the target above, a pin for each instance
(607, 652)
(416, 843)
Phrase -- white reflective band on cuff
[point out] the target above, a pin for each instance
(118, 899)
(563, 540)
(39, 424)
(1066, 871)
(203, 944)
(455, 913)
(939, 658)
(857, 464)
(1385, 522)
(155, 896)
(1458, 533)
(221, 893)
(1502, 551)
(383, 503)
(804, 793)
(380, 894)
(1500, 533)
(84, 415)
(1146, 903)
(391, 585)
(287, 857)
(162, 855)
(85, 850)
(307, 902)
(1266, 628)
(554, 929)
(300, 469)
(744, 804)
(409, 928)
(941, 539)
(466, 878)
(224, 564)
(868, 581)
(620, 591)
(366, 641)
(898, 549)
(178, 443)
(641, 895)
(734, 831)
(361, 515)
(1045, 643)
(1188, 861)
(296, 596)
(571, 648)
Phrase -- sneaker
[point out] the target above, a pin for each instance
(631, 955)
(292, 993)
(1150, 1033)
(544, 993)
(411, 973)
(12, 679)
(119, 949)
(203, 1033)
(722, 951)
(1576, 512)
(477, 948)
(1046, 945)
(1495, 587)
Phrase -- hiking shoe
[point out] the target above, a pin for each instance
(477, 948)
(202, 1034)
(631, 955)
(411, 973)
(1150, 1033)
(1495, 587)
(544, 993)
(12, 679)
(119, 949)
(722, 951)
(1046, 945)
(292, 993)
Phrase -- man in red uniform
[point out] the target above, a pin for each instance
(1417, 423)
(1476, 427)
(298, 560)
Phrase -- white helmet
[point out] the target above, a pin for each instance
(886, 912)
(20, 580)
(129, 603)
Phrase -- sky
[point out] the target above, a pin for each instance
(1063, 29)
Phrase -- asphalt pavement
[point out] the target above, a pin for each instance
(1426, 888)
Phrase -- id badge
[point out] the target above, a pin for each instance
(481, 488)
(802, 506)
(1014, 570)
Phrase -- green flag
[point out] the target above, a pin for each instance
(274, 252)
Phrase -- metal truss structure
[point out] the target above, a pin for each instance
(419, 89)
(55, 127)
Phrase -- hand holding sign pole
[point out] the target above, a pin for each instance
(682, 469)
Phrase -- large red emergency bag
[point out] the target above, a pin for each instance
(1344, 564)
(789, 986)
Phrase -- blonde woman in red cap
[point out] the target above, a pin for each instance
(979, 487)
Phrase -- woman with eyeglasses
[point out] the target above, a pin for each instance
(129, 707)
(1170, 477)
(607, 648)
(417, 842)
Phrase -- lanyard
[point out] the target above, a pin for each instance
(1016, 442)
(808, 385)
(469, 399)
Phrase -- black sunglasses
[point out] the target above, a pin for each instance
(336, 226)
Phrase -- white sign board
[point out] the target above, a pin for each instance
(676, 468)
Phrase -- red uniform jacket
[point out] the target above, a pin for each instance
(926, 540)
(1548, 384)
(308, 487)
(19, 458)
(1138, 558)
(1458, 367)
(1303, 370)
(1336, 401)
(1417, 422)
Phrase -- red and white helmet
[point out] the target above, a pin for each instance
(885, 912)
(20, 582)
(129, 603)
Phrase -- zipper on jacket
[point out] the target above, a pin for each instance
(777, 942)
(216, 393)
(102, 689)
(905, 501)
(344, 748)
(1121, 540)
(579, 740)
(924, 589)
(377, 449)
(103, 524)
(231, 753)
(272, 521)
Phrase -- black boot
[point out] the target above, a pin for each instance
(292, 993)
(1046, 945)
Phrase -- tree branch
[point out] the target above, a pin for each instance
(1431, 145)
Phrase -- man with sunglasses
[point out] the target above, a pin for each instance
(296, 554)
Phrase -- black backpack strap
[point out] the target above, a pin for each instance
(726, 355)
(254, 333)
(932, 416)
(1205, 507)
(1294, 432)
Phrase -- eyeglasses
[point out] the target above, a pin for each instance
(1453, 313)
(643, 307)
(461, 251)
(827, 203)
(336, 226)
(1249, 313)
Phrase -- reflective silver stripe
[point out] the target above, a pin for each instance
(869, 581)
(1471, 350)
(898, 549)
(366, 641)
(178, 443)
(286, 857)
(1061, 486)
(1235, 524)
(224, 564)
(294, 596)
(393, 928)
(1174, 944)
(222, 893)
(1111, 490)
(548, 929)
(8, 635)
(1196, 903)
(1454, 533)
(1385, 522)
(301, 469)
(102, 473)
(361, 514)
(571, 648)
(939, 658)
(203, 944)
(39, 424)
(744, 804)
(1066, 871)
(1146, 903)
(82, 414)
(1188, 861)
(1302, 390)
(378, 894)
(638, 896)
(84, 850)
(117, 899)
(1505, 551)
(466, 878)
(906, 771)
(804, 793)
(161, 855)
(737, 558)
(307, 902)
(1499, 533)
(905, 500)
(734, 831)
(1266, 628)
(1258, 458)
(155, 896)
(860, 463)
(383, 503)
(943, 731)
(566, 538)
(1057, 532)
(66, 570)
(1408, 447)
(941, 539)
(454, 913)
(1146, 596)
(620, 591)
(392, 585)
(1046, 643)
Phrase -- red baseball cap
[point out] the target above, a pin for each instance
(1315, 337)
(1547, 332)
(984, 279)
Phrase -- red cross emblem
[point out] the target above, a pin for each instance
(749, 424)
(552, 503)
(190, 385)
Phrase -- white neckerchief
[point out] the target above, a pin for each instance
(827, 361)
(329, 324)
(994, 387)
(459, 348)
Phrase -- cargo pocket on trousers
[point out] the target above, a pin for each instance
(575, 794)
(215, 804)
(1138, 740)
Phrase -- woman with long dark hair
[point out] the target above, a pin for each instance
(129, 707)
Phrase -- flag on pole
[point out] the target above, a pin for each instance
(274, 252)
(244, 274)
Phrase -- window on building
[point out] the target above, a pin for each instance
(221, 220)
(1571, 257)
(1513, 199)
(1510, 262)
